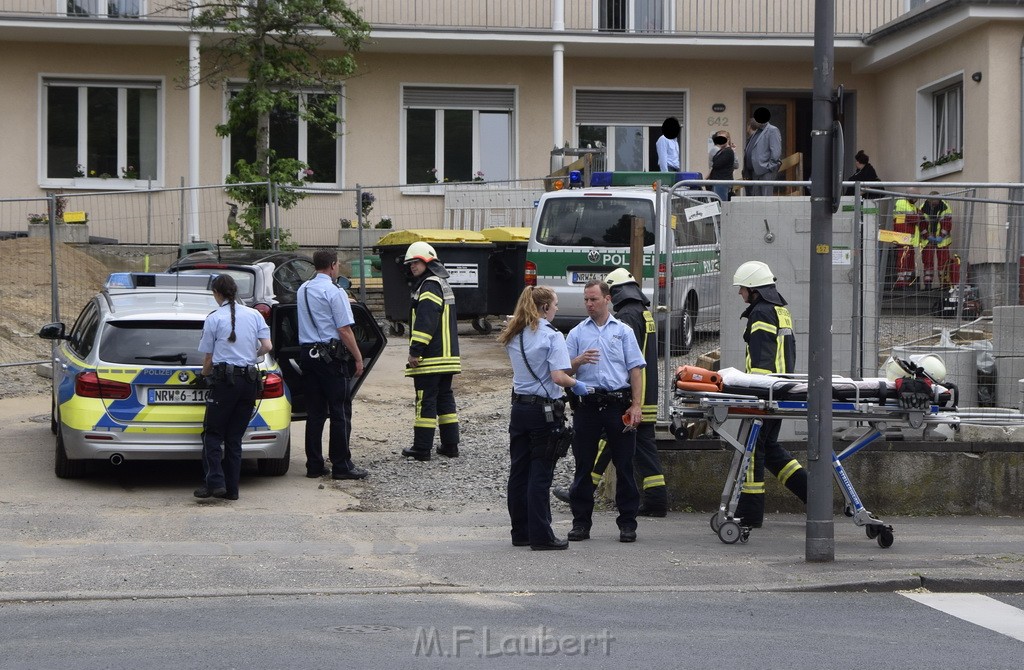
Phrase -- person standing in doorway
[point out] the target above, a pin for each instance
(722, 165)
(433, 354)
(668, 145)
(762, 154)
(327, 344)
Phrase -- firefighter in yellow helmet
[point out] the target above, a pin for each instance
(632, 308)
(433, 354)
(771, 348)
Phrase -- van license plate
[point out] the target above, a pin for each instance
(178, 396)
(584, 277)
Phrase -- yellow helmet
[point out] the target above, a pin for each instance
(420, 251)
(618, 277)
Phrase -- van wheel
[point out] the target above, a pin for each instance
(685, 332)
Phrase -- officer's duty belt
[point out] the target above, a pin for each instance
(229, 369)
(531, 399)
(604, 397)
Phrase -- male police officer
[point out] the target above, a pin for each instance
(631, 307)
(606, 357)
(325, 327)
(433, 354)
(771, 348)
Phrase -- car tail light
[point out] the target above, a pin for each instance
(89, 385)
(530, 273)
(273, 386)
(661, 275)
(264, 309)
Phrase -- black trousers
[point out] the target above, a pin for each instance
(769, 453)
(327, 396)
(228, 413)
(648, 468)
(529, 479)
(590, 421)
(435, 409)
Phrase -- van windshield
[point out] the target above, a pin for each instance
(594, 221)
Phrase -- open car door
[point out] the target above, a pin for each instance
(284, 333)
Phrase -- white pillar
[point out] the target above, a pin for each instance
(193, 136)
(557, 82)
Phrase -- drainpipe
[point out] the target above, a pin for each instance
(193, 136)
(557, 83)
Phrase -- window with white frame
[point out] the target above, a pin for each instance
(101, 129)
(627, 125)
(457, 134)
(292, 136)
(640, 16)
(119, 9)
(940, 126)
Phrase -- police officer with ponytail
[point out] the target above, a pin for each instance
(540, 364)
(234, 337)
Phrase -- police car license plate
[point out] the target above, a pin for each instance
(178, 396)
(584, 277)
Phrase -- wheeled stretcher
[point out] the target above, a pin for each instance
(752, 399)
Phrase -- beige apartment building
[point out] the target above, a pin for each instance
(93, 96)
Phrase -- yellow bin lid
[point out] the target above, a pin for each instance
(432, 236)
(507, 234)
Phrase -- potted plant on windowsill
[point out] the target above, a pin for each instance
(951, 161)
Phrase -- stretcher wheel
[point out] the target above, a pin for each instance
(744, 534)
(848, 511)
(871, 531)
(729, 532)
(715, 523)
(885, 538)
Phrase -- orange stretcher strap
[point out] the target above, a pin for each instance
(697, 386)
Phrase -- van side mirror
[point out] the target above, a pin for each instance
(52, 331)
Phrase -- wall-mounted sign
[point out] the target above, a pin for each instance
(718, 108)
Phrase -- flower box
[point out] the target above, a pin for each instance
(69, 233)
(924, 174)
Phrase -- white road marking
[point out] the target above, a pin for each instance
(977, 609)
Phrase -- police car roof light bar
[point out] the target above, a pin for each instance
(158, 280)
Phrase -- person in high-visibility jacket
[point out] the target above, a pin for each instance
(936, 238)
(433, 354)
(771, 348)
(631, 307)
(906, 218)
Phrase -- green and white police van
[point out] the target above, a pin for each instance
(579, 234)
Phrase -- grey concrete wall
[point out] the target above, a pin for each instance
(889, 480)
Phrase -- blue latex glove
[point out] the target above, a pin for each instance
(580, 389)
(934, 240)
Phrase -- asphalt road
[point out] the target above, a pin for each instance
(609, 630)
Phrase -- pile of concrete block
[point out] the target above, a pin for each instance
(1008, 349)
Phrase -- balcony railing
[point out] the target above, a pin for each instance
(648, 17)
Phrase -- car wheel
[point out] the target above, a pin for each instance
(64, 467)
(685, 332)
(275, 467)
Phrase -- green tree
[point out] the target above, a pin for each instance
(283, 46)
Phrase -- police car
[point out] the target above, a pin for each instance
(122, 383)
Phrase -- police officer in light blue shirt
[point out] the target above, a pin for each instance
(606, 357)
(234, 337)
(539, 364)
(327, 342)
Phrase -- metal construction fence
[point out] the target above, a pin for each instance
(890, 294)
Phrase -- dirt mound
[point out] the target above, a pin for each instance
(25, 295)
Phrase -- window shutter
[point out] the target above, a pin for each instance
(430, 97)
(643, 108)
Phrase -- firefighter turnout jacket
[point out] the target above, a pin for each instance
(631, 308)
(433, 329)
(771, 345)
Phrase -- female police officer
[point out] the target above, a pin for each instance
(539, 363)
(234, 336)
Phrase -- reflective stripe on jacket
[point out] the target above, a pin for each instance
(771, 345)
